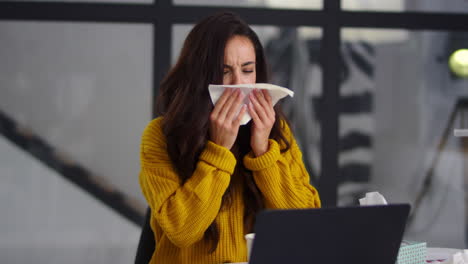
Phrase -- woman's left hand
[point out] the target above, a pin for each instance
(263, 116)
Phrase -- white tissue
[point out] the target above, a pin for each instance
(373, 198)
(458, 258)
(276, 92)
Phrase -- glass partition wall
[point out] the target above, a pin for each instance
(399, 105)
(374, 108)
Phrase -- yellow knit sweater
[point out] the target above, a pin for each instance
(182, 213)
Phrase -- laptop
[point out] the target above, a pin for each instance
(364, 235)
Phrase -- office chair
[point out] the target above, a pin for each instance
(146, 245)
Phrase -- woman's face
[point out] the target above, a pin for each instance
(239, 61)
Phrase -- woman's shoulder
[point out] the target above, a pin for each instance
(284, 125)
(288, 134)
(153, 130)
(154, 124)
(154, 145)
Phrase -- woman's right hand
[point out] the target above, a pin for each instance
(224, 123)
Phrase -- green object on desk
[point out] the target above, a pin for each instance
(412, 252)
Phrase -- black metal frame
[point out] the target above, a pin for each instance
(163, 14)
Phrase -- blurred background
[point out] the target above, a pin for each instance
(378, 92)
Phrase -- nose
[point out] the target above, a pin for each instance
(237, 78)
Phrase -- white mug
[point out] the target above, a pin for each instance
(249, 238)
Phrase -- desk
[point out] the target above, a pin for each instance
(434, 255)
(437, 255)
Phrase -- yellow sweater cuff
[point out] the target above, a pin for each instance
(219, 157)
(264, 161)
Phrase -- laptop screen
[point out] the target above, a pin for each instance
(365, 235)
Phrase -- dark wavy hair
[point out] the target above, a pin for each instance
(185, 103)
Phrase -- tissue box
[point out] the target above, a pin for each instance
(412, 253)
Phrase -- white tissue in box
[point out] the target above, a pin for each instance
(373, 198)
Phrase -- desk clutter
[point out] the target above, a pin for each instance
(447, 256)
(412, 252)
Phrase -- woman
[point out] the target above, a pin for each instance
(204, 176)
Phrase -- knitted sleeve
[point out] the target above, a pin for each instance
(183, 211)
(282, 177)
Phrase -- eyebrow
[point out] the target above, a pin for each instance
(247, 63)
(243, 64)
